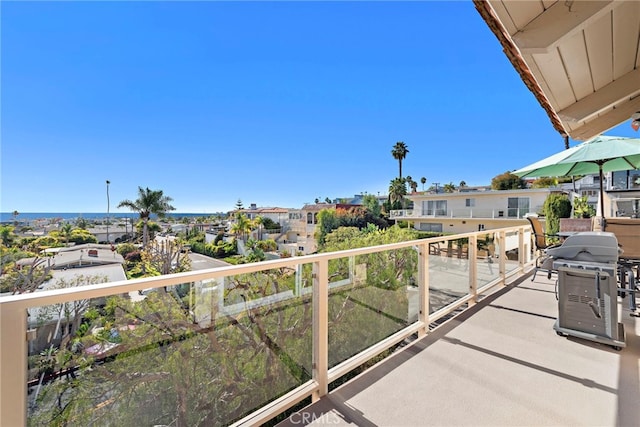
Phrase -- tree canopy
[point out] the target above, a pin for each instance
(148, 202)
(399, 152)
(507, 181)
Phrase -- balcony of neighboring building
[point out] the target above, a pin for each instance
(505, 213)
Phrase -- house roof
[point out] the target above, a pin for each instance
(320, 206)
(264, 210)
(64, 259)
(111, 273)
(579, 58)
(80, 256)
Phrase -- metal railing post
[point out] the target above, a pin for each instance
(321, 328)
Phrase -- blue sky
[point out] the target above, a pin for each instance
(273, 103)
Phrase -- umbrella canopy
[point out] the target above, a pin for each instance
(598, 155)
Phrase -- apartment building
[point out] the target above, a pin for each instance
(474, 210)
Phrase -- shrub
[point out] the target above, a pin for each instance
(267, 245)
(556, 206)
(126, 248)
(134, 256)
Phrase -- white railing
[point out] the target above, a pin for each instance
(464, 265)
(465, 213)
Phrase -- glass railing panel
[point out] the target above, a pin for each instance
(488, 269)
(180, 355)
(371, 302)
(512, 243)
(448, 272)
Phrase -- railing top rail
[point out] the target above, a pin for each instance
(55, 296)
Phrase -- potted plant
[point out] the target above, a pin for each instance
(582, 209)
(582, 213)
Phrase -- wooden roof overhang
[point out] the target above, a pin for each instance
(579, 58)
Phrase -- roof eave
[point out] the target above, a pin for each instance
(513, 54)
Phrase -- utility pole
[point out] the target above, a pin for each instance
(108, 182)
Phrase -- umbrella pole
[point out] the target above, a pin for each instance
(601, 194)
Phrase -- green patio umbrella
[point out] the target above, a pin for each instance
(598, 155)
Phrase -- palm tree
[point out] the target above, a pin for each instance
(65, 231)
(449, 188)
(423, 180)
(412, 184)
(397, 190)
(15, 218)
(82, 223)
(148, 202)
(462, 184)
(259, 222)
(399, 153)
(242, 226)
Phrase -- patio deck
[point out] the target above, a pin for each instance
(498, 363)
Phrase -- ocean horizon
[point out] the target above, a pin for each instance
(32, 216)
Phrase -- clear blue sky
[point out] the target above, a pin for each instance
(273, 103)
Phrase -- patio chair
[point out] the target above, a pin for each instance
(543, 261)
(627, 231)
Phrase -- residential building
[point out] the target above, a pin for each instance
(69, 267)
(301, 238)
(282, 216)
(357, 199)
(622, 192)
(466, 211)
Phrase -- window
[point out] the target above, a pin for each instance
(625, 180)
(470, 203)
(427, 226)
(480, 227)
(434, 207)
(619, 180)
(309, 218)
(517, 207)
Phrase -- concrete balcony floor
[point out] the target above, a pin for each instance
(499, 363)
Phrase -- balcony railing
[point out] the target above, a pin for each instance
(466, 213)
(238, 344)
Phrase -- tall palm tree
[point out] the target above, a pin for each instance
(423, 180)
(399, 153)
(148, 202)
